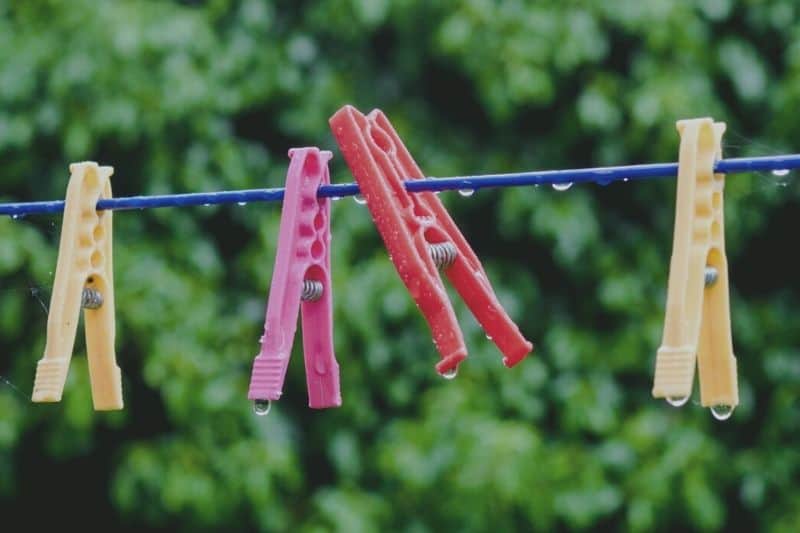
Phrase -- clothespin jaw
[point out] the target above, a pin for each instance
(302, 273)
(420, 236)
(84, 278)
(697, 323)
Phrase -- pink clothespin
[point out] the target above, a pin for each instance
(302, 273)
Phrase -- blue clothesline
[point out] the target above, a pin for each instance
(602, 175)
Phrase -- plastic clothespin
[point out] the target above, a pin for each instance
(302, 273)
(84, 278)
(697, 324)
(420, 236)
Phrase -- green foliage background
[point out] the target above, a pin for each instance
(195, 96)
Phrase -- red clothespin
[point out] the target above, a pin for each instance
(302, 273)
(420, 235)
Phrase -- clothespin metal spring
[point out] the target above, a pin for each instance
(91, 298)
(444, 254)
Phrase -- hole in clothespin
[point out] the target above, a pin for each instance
(381, 139)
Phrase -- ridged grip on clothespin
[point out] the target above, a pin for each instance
(84, 262)
(697, 323)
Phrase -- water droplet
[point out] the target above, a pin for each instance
(360, 199)
(722, 411)
(335, 198)
(626, 179)
(206, 205)
(562, 186)
(242, 204)
(488, 337)
(780, 172)
(466, 192)
(262, 407)
(450, 374)
(16, 217)
(677, 401)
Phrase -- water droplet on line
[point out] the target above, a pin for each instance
(677, 401)
(450, 374)
(722, 411)
(466, 192)
(780, 172)
(562, 186)
(359, 199)
(262, 407)
(242, 204)
(335, 198)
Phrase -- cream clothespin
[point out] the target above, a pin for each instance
(697, 324)
(84, 278)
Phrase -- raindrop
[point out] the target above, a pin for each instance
(677, 401)
(780, 172)
(562, 186)
(722, 411)
(626, 179)
(360, 199)
(16, 217)
(242, 204)
(466, 192)
(206, 205)
(450, 374)
(262, 407)
(335, 198)
(488, 337)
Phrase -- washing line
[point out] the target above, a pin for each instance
(777, 164)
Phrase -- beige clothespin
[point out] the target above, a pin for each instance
(84, 278)
(697, 324)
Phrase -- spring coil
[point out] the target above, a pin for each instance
(710, 275)
(443, 254)
(312, 290)
(91, 298)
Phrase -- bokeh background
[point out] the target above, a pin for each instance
(197, 96)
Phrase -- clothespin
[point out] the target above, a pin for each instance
(697, 324)
(420, 236)
(302, 273)
(84, 279)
